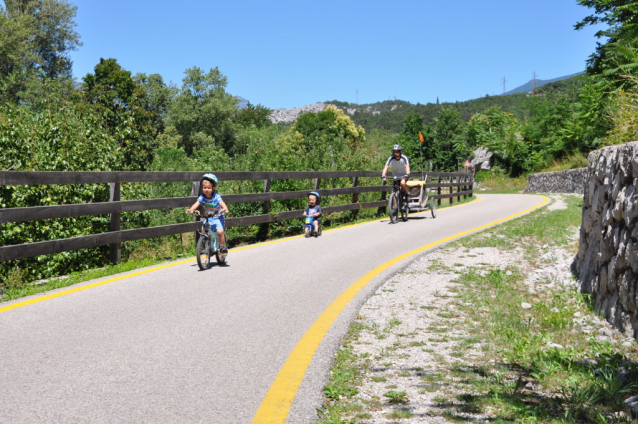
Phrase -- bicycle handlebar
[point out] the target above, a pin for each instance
(210, 215)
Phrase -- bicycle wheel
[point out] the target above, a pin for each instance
(393, 208)
(221, 256)
(433, 207)
(405, 209)
(203, 249)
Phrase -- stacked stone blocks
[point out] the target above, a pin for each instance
(570, 181)
(607, 259)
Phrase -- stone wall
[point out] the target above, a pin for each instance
(570, 181)
(607, 260)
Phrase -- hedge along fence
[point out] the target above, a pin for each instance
(115, 207)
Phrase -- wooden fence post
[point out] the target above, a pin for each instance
(264, 228)
(465, 187)
(451, 190)
(382, 209)
(355, 196)
(458, 188)
(438, 191)
(317, 183)
(266, 190)
(115, 224)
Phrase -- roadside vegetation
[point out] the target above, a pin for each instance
(502, 340)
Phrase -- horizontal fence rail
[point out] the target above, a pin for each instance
(461, 181)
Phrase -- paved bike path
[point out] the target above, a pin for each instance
(181, 345)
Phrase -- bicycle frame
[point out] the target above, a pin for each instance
(209, 243)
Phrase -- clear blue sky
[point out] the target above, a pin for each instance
(284, 54)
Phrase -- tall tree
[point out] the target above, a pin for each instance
(203, 112)
(159, 97)
(409, 136)
(449, 139)
(122, 101)
(36, 36)
(621, 18)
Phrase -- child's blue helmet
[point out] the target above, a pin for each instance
(210, 177)
(317, 195)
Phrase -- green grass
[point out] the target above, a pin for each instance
(497, 182)
(398, 414)
(344, 380)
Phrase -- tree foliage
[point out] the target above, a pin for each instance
(620, 18)
(36, 38)
(203, 112)
(122, 102)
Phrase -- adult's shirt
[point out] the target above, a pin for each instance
(399, 166)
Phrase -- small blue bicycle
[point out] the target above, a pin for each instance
(208, 245)
(309, 226)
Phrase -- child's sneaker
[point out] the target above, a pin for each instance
(223, 249)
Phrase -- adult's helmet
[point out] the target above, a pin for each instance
(396, 147)
(210, 177)
(317, 195)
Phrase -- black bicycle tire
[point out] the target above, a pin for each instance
(392, 210)
(200, 245)
(221, 258)
(404, 210)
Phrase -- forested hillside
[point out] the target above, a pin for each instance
(390, 114)
(111, 119)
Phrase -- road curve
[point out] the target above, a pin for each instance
(178, 345)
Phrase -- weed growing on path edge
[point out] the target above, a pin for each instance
(506, 363)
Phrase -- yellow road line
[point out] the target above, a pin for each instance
(157, 268)
(276, 405)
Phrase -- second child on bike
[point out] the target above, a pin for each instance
(213, 206)
(314, 211)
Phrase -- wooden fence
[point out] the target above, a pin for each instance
(115, 207)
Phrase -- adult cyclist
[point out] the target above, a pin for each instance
(400, 166)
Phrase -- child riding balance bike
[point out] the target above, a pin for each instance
(312, 215)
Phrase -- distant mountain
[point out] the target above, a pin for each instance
(242, 102)
(527, 87)
(389, 114)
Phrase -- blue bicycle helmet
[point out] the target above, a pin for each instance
(317, 195)
(210, 177)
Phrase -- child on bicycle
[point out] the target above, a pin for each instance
(214, 208)
(314, 211)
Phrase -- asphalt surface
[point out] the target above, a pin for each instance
(179, 345)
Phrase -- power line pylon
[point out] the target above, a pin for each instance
(504, 85)
(534, 80)
(357, 96)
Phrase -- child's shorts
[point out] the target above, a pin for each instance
(216, 223)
